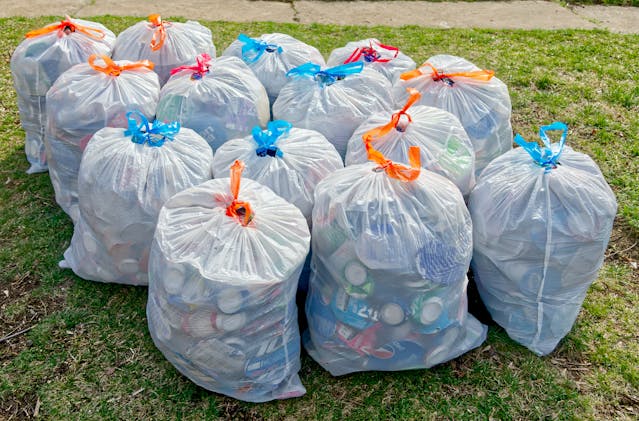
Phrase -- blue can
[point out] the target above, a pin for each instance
(269, 364)
(353, 311)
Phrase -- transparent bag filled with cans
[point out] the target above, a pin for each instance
(221, 99)
(271, 56)
(542, 218)
(167, 44)
(443, 142)
(125, 177)
(391, 248)
(475, 96)
(332, 101)
(85, 99)
(224, 267)
(386, 59)
(37, 63)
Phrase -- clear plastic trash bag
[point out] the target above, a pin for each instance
(333, 101)
(223, 277)
(271, 56)
(125, 178)
(288, 160)
(167, 44)
(38, 62)
(475, 96)
(391, 248)
(443, 142)
(85, 99)
(386, 59)
(542, 219)
(221, 99)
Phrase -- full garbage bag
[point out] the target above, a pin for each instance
(165, 43)
(224, 267)
(85, 99)
(333, 101)
(386, 59)
(125, 177)
(443, 142)
(542, 219)
(391, 248)
(271, 56)
(221, 99)
(38, 62)
(475, 96)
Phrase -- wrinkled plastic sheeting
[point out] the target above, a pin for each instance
(183, 42)
(223, 104)
(306, 158)
(336, 109)
(271, 64)
(483, 107)
(391, 65)
(443, 142)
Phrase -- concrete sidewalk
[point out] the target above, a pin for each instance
(526, 14)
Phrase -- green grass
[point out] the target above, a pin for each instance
(90, 356)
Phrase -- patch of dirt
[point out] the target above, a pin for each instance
(32, 308)
(230, 409)
(23, 408)
(624, 244)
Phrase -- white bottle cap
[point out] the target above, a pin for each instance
(229, 300)
(392, 314)
(431, 310)
(128, 266)
(355, 273)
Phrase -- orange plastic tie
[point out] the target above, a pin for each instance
(159, 35)
(65, 24)
(378, 132)
(238, 209)
(480, 75)
(113, 69)
(394, 170)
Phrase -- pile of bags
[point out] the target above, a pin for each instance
(392, 236)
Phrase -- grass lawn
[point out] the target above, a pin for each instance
(89, 355)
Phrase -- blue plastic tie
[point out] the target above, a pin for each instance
(326, 76)
(155, 134)
(266, 139)
(253, 48)
(545, 156)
